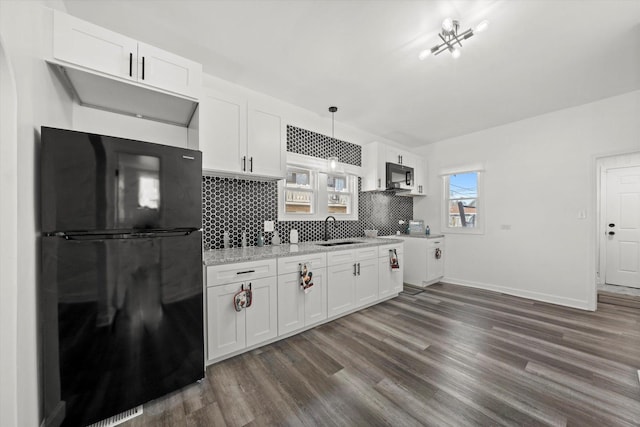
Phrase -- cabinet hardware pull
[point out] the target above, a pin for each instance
(143, 68)
(399, 159)
(246, 272)
(354, 269)
(130, 64)
(379, 182)
(358, 269)
(407, 179)
(244, 163)
(250, 164)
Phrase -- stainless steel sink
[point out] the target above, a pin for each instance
(337, 243)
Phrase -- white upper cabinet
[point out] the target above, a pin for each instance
(164, 70)
(87, 45)
(110, 71)
(240, 138)
(374, 167)
(266, 142)
(374, 159)
(223, 132)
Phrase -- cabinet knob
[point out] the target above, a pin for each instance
(612, 233)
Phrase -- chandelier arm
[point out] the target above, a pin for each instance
(446, 41)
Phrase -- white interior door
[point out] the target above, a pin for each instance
(623, 227)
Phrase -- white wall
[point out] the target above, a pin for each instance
(9, 239)
(540, 173)
(25, 28)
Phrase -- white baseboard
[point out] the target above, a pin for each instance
(538, 296)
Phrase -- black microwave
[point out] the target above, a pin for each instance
(399, 177)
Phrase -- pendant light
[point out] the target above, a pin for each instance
(332, 161)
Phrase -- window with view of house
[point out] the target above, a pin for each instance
(462, 192)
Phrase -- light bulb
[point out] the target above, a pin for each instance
(447, 25)
(332, 164)
(423, 55)
(455, 53)
(482, 26)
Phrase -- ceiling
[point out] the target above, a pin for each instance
(536, 56)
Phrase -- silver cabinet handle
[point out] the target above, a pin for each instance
(358, 269)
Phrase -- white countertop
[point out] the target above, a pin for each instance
(251, 253)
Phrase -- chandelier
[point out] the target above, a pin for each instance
(452, 38)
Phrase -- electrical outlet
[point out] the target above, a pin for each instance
(268, 226)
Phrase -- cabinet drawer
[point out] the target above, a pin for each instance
(366, 253)
(341, 257)
(383, 251)
(227, 273)
(291, 264)
(436, 242)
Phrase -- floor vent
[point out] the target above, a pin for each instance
(119, 418)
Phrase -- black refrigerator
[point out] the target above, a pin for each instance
(121, 273)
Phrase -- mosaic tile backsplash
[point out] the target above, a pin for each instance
(302, 141)
(238, 206)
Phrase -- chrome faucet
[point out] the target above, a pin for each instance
(326, 226)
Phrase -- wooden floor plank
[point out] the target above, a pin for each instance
(447, 356)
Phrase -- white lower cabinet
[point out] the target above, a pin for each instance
(296, 309)
(262, 316)
(343, 281)
(354, 283)
(228, 330)
(367, 281)
(341, 292)
(391, 279)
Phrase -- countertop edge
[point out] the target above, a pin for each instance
(216, 257)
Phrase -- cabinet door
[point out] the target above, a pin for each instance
(397, 275)
(262, 316)
(223, 132)
(225, 326)
(266, 144)
(367, 281)
(341, 288)
(435, 266)
(419, 173)
(374, 167)
(291, 303)
(88, 45)
(164, 70)
(315, 304)
(385, 283)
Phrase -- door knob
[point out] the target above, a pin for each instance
(611, 233)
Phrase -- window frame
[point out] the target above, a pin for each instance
(320, 197)
(480, 204)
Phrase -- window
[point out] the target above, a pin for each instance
(311, 195)
(461, 207)
(299, 189)
(339, 194)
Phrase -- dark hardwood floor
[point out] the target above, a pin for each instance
(448, 356)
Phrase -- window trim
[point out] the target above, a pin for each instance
(480, 204)
(320, 194)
